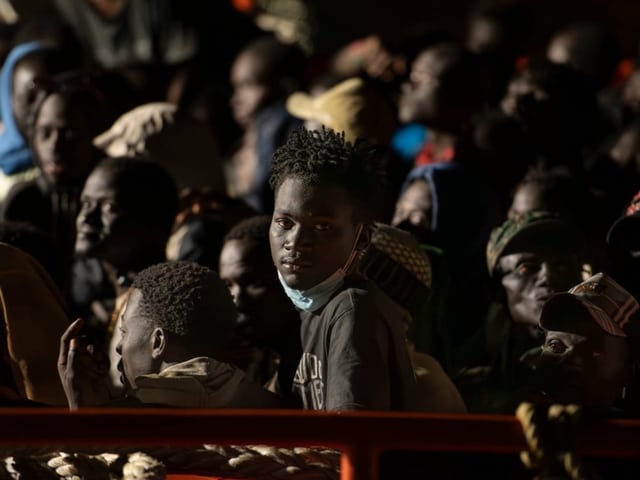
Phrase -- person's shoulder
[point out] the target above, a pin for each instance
(355, 290)
(23, 190)
(23, 197)
(363, 295)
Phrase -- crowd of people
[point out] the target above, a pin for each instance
(198, 215)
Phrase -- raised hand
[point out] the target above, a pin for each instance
(83, 369)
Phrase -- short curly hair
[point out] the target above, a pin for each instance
(255, 229)
(255, 232)
(325, 157)
(188, 300)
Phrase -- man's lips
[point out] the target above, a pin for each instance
(54, 167)
(295, 264)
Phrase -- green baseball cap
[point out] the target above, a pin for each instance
(537, 228)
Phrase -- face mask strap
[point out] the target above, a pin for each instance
(354, 251)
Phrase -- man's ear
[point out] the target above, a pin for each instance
(159, 343)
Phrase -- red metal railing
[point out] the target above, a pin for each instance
(361, 436)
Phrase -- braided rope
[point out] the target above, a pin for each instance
(551, 433)
(264, 462)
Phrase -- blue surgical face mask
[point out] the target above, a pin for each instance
(319, 295)
(316, 297)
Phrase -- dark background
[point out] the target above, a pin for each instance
(343, 20)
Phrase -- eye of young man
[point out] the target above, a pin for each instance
(284, 223)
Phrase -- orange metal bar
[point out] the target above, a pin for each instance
(360, 435)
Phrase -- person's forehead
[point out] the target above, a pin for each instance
(591, 334)
(102, 180)
(28, 68)
(131, 307)
(559, 49)
(418, 191)
(538, 253)
(529, 189)
(431, 61)
(55, 106)
(248, 65)
(570, 337)
(297, 196)
(241, 253)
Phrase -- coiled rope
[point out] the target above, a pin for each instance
(551, 433)
(260, 462)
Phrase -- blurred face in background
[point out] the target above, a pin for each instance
(250, 89)
(413, 210)
(61, 141)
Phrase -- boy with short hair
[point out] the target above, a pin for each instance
(353, 335)
(174, 325)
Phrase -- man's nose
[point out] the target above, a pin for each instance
(90, 215)
(557, 275)
(239, 295)
(299, 238)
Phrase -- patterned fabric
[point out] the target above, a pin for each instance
(504, 235)
(634, 205)
(610, 306)
(397, 264)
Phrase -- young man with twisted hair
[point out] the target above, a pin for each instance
(353, 335)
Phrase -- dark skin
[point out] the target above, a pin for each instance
(427, 98)
(413, 210)
(524, 97)
(313, 232)
(529, 278)
(23, 93)
(113, 231)
(631, 94)
(542, 115)
(528, 198)
(62, 142)
(625, 152)
(83, 370)
(251, 87)
(107, 8)
(588, 368)
(264, 311)
(144, 349)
